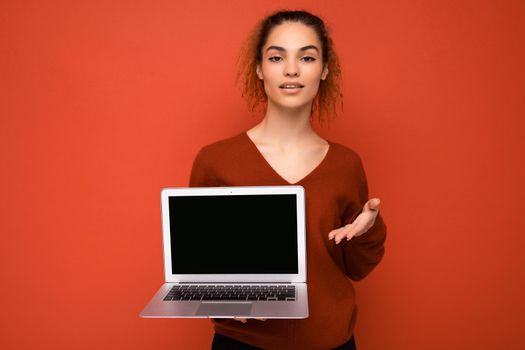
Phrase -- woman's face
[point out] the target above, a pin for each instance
(292, 54)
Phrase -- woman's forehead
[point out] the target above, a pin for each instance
(292, 36)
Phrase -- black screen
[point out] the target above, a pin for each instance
(234, 234)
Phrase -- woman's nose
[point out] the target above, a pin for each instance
(291, 69)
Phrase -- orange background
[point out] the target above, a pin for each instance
(103, 103)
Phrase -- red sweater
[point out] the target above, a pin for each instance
(335, 193)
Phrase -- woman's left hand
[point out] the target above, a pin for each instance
(361, 224)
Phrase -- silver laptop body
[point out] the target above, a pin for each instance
(232, 252)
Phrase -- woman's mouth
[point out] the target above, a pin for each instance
(291, 88)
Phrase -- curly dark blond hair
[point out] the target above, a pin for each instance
(324, 104)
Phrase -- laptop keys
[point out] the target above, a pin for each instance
(231, 292)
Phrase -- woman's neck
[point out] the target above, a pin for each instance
(286, 128)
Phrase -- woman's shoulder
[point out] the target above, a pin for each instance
(345, 152)
(221, 148)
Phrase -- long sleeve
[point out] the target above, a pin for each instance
(362, 254)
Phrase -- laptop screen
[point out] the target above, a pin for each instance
(234, 234)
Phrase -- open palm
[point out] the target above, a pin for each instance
(362, 223)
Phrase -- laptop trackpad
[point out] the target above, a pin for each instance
(224, 309)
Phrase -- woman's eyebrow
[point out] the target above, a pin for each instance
(304, 48)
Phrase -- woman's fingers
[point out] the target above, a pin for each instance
(338, 234)
(373, 204)
(355, 231)
(243, 320)
(349, 231)
(361, 224)
(335, 232)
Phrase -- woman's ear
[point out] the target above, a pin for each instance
(325, 72)
(259, 72)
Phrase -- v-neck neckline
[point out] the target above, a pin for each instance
(310, 174)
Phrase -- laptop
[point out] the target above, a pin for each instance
(235, 251)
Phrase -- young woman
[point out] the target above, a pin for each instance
(288, 63)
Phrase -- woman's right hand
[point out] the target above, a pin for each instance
(243, 320)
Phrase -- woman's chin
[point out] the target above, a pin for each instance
(291, 106)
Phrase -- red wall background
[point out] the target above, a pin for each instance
(103, 103)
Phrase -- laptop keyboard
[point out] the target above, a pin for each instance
(231, 292)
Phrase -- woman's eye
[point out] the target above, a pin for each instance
(277, 58)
